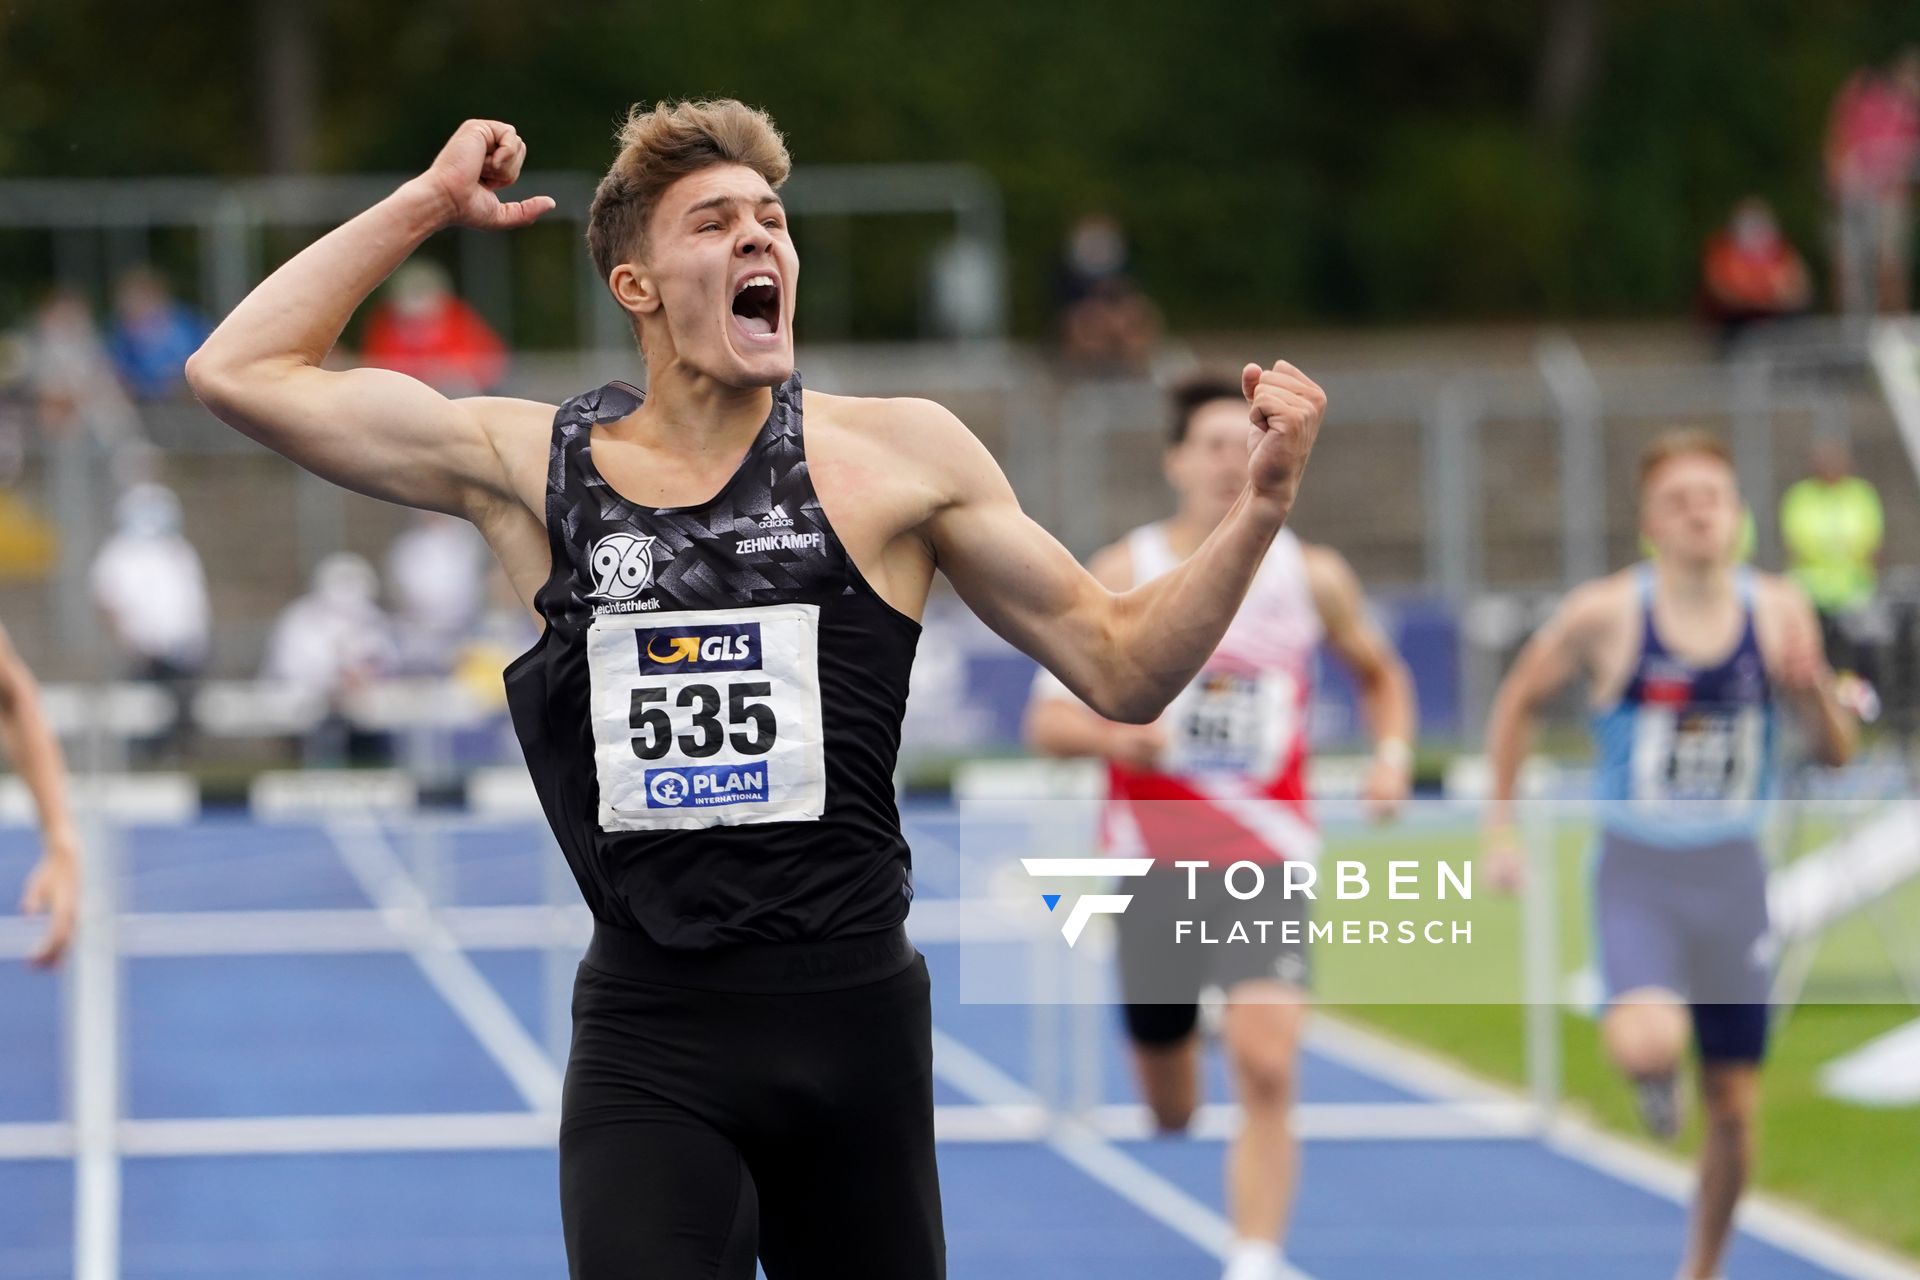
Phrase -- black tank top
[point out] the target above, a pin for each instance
(712, 715)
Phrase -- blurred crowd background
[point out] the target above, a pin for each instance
(1513, 241)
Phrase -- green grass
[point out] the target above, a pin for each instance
(1856, 1166)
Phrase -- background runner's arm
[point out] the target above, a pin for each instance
(372, 430)
(1125, 655)
(1551, 658)
(1806, 681)
(1384, 683)
(35, 754)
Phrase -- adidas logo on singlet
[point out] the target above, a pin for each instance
(777, 518)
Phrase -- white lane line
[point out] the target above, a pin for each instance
(959, 1123)
(1083, 1148)
(336, 1135)
(1786, 1227)
(1341, 1121)
(386, 883)
(37, 1140)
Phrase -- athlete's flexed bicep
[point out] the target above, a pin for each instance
(372, 430)
(389, 436)
(1026, 586)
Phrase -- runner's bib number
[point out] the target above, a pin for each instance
(708, 718)
(1695, 758)
(1231, 722)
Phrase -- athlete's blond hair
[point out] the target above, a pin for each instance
(1689, 442)
(660, 145)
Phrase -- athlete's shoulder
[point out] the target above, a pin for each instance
(1776, 596)
(909, 420)
(520, 433)
(911, 440)
(511, 416)
(515, 428)
(1602, 599)
(1326, 569)
(1598, 609)
(1772, 587)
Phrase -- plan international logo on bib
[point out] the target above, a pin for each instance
(703, 786)
(685, 651)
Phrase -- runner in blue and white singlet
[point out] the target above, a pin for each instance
(1683, 770)
(1686, 755)
(1687, 657)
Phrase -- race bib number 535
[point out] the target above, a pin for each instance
(707, 719)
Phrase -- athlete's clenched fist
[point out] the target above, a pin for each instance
(481, 157)
(1285, 407)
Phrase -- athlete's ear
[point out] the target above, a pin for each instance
(634, 289)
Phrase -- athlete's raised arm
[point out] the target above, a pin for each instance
(1124, 654)
(1058, 724)
(1552, 657)
(1385, 686)
(373, 430)
(53, 886)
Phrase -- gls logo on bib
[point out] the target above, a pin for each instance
(685, 651)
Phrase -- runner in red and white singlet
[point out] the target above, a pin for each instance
(1235, 753)
(1221, 777)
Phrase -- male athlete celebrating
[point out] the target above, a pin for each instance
(729, 570)
(53, 886)
(1686, 657)
(1222, 776)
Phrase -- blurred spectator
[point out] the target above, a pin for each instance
(421, 328)
(70, 377)
(503, 631)
(437, 580)
(148, 581)
(1873, 137)
(330, 644)
(1107, 326)
(1750, 273)
(29, 548)
(153, 334)
(1832, 526)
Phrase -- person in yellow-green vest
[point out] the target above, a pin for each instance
(1832, 526)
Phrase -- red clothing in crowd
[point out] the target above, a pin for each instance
(1873, 137)
(444, 344)
(1753, 276)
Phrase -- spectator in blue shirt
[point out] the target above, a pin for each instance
(153, 334)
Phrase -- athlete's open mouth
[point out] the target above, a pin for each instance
(756, 306)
